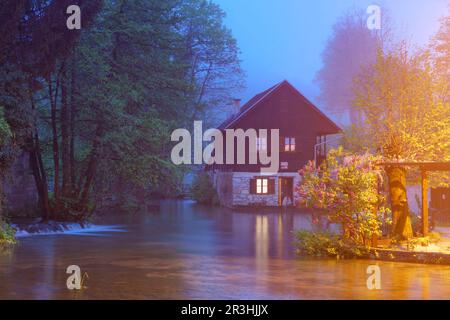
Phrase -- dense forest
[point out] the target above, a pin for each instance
(93, 108)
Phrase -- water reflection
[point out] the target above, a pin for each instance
(189, 251)
(261, 243)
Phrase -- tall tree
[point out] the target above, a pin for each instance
(104, 100)
(211, 56)
(351, 46)
(405, 118)
(440, 55)
(36, 36)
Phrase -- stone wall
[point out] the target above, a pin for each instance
(20, 195)
(222, 181)
(241, 192)
(233, 189)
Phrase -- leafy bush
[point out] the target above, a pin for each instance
(7, 233)
(345, 188)
(324, 244)
(203, 190)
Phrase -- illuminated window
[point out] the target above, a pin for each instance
(262, 186)
(261, 144)
(289, 144)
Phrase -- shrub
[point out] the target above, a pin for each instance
(345, 188)
(203, 191)
(7, 233)
(324, 244)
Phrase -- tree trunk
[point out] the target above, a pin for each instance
(401, 220)
(55, 147)
(37, 166)
(40, 178)
(90, 171)
(72, 128)
(65, 139)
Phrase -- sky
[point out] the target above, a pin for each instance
(283, 39)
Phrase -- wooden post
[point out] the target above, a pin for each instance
(424, 203)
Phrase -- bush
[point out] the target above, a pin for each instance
(345, 188)
(203, 191)
(324, 244)
(7, 233)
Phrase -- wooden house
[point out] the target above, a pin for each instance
(303, 130)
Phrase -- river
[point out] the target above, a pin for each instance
(188, 251)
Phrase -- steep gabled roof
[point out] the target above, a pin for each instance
(262, 96)
(249, 105)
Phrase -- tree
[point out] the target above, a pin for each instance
(440, 56)
(351, 46)
(108, 103)
(36, 37)
(6, 153)
(405, 117)
(95, 107)
(210, 56)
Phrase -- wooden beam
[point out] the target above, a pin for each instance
(428, 166)
(424, 203)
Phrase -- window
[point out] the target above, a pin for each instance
(262, 186)
(289, 144)
(261, 144)
(321, 145)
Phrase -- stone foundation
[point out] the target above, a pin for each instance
(233, 189)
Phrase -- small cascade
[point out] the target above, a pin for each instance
(51, 228)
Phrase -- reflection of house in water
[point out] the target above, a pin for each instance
(261, 240)
(303, 130)
(272, 233)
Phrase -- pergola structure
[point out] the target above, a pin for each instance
(424, 167)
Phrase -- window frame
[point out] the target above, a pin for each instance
(262, 184)
(290, 143)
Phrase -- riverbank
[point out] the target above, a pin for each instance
(433, 249)
(427, 252)
(410, 256)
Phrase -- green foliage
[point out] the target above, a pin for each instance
(356, 140)
(345, 188)
(203, 191)
(98, 105)
(5, 131)
(406, 114)
(151, 71)
(7, 151)
(324, 244)
(7, 233)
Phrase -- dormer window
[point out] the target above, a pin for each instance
(289, 144)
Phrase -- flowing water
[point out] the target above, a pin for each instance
(188, 251)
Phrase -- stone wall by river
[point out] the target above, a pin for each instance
(20, 195)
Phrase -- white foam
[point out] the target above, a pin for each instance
(73, 229)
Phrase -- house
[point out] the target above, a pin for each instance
(303, 128)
